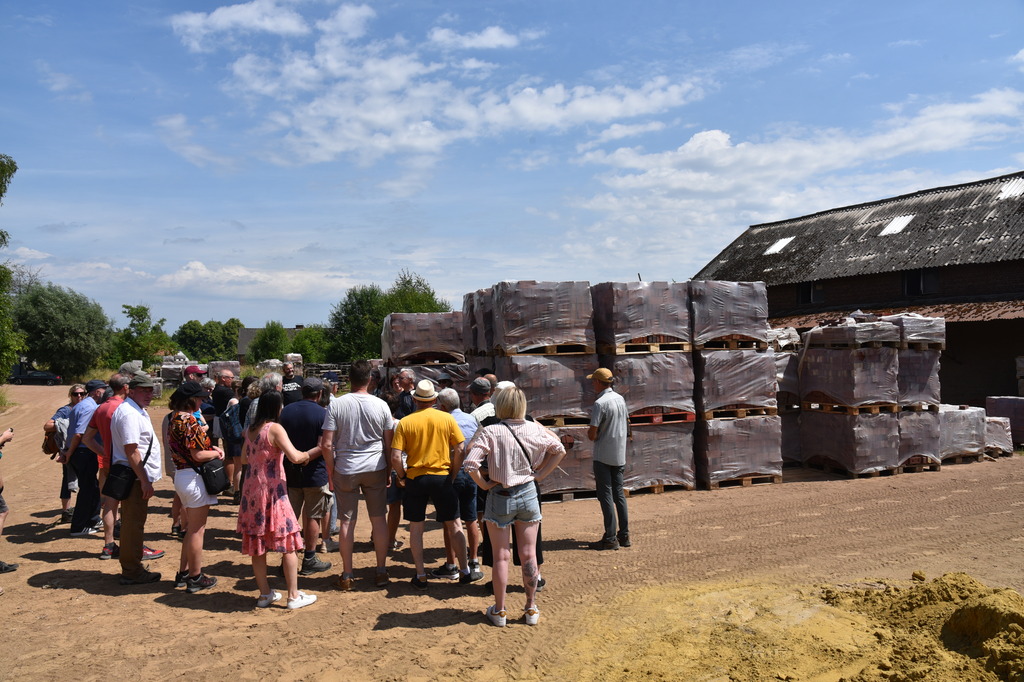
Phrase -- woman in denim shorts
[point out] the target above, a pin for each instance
(514, 453)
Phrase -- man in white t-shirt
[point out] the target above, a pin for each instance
(355, 443)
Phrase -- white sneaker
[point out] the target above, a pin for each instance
(88, 530)
(302, 600)
(497, 618)
(531, 615)
(266, 600)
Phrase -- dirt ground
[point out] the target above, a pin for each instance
(810, 579)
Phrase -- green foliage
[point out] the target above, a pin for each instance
(63, 329)
(142, 339)
(210, 341)
(358, 320)
(269, 343)
(10, 340)
(312, 343)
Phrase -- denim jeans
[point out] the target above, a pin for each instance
(612, 498)
(86, 466)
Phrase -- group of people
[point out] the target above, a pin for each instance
(295, 454)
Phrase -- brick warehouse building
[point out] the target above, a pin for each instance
(954, 252)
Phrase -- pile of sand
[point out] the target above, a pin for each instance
(952, 629)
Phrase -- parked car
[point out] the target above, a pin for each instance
(34, 376)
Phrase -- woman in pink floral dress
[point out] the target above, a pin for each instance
(265, 517)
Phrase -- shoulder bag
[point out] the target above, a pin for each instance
(122, 477)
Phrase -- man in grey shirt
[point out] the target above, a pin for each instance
(609, 428)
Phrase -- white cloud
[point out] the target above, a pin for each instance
(348, 21)
(177, 135)
(1019, 60)
(63, 84)
(258, 16)
(618, 131)
(492, 37)
(906, 43)
(24, 254)
(249, 283)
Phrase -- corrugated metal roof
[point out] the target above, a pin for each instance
(980, 222)
(952, 312)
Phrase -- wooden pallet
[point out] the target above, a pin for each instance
(918, 468)
(562, 420)
(836, 469)
(878, 408)
(659, 488)
(962, 459)
(922, 345)
(569, 496)
(552, 349)
(644, 347)
(920, 407)
(744, 481)
(676, 417)
(849, 345)
(740, 412)
(732, 342)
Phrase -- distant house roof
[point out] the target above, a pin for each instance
(982, 311)
(979, 222)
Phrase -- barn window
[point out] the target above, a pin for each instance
(811, 292)
(896, 225)
(920, 282)
(778, 246)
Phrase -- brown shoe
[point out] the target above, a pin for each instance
(382, 579)
(344, 584)
(143, 578)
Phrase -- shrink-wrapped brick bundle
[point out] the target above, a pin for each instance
(849, 376)
(853, 334)
(478, 322)
(918, 376)
(660, 454)
(653, 380)
(784, 339)
(555, 385)
(855, 443)
(791, 437)
(469, 328)
(1011, 407)
(529, 315)
(997, 436)
(413, 338)
(735, 378)
(720, 309)
(214, 369)
(459, 374)
(576, 470)
(728, 449)
(916, 328)
(961, 431)
(635, 311)
(787, 377)
(919, 436)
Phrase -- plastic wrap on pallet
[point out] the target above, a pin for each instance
(919, 436)
(653, 380)
(787, 374)
(735, 377)
(849, 376)
(1011, 407)
(727, 449)
(576, 470)
(852, 334)
(916, 328)
(410, 336)
(530, 314)
(961, 431)
(470, 340)
(918, 376)
(791, 437)
(856, 443)
(660, 454)
(725, 308)
(217, 366)
(625, 311)
(458, 372)
(555, 385)
(784, 339)
(997, 435)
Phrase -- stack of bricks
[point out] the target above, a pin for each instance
(849, 397)
(428, 344)
(543, 340)
(961, 433)
(642, 331)
(922, 340)
(786, 343)
(738, 436)
(1011, 407)
(998, 437)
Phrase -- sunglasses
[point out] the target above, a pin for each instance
(79, 393)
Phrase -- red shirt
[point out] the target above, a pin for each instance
(101, 422)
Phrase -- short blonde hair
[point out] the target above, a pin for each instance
(75, 387)
(510, 403)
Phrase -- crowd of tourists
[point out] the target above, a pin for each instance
(296, 459)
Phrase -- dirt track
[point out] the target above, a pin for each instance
(67, 615)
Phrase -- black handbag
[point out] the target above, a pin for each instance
(122, 477)
(214, 475)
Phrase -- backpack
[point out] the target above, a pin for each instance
(231, 425)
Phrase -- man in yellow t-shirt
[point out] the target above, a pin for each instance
(432, 442)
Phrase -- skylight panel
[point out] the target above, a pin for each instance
(778, 246)
(1013, 188)
(896, 225)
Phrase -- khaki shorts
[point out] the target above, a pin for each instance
(373, 485)
(316, 501)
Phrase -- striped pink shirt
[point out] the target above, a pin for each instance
(505, 461)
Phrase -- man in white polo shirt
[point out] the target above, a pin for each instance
(134, 443)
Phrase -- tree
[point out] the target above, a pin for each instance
(10, 340)
(312, 343)
(63, 329)
(231, 329)
(269, 342)
(209, 341)
(141, 339)
(411, 293)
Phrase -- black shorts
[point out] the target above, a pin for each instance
(430, 488)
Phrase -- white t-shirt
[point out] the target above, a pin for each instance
(131, 424)
(359, 421)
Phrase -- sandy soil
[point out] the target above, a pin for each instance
(765, 582)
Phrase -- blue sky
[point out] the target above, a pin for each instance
(258, 159)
